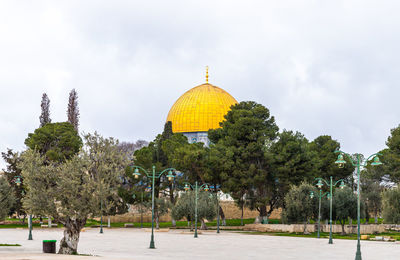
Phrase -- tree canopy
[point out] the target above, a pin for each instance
(300, 207)
(7, 198)
(56, 141)
(76, 186)
(242, 142)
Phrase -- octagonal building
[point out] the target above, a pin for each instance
(198, 110)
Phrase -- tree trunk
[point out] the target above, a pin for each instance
(376, 219)
(69, 243)
(263, 212)
(49, 221)
(241, 218)
(367, 216)
(343, 232)
(173, 221)
(203, 225)
(157, 219)
(222, 215)
(191, 225)
(305, 232)
(109, 222)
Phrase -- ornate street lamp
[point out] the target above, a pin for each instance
(320, 184)
(358, 162)
(153, 175)
(196, 189)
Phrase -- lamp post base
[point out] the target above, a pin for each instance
(358, 253)
(330, 240)
(152, 245)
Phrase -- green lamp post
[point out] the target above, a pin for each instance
(153, 175)
(320, 196)
(329, 195)
(196, 189)
(357, 162)
(18, 182)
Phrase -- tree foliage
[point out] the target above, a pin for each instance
(300, 207)
(7, 198)
(391, 206)
(73, 109)
(185, 206)
(45, 110)
(344, 205)
(293, 162)
(323, 148)
(76, 186)
(56, 141)
(371, 192)
(11, 173)
(242, 142)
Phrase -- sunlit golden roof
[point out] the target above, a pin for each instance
(200, 109)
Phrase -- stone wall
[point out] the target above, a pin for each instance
(293, 228)
(231, 211)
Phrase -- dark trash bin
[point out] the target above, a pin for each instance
(49, 246)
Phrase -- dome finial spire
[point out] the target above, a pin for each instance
(206, 74)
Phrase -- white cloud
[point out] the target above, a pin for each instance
(320, 67)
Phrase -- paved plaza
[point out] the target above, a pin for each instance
(176, 244)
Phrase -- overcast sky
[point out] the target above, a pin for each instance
(320, 67)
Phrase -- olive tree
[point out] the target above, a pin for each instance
(71, 191)
(300, 207)
(185, 207)
(344, 206)
(391, 206)
(7, 198)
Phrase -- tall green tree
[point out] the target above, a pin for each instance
(389, 172)
(156, 154)
(7, 198)
(56, 141)
(323, 148)
(73, 109)
(244, 138)
(11, 174)
(344, 206)
(371, 192)
(293, 162)
(76, 186)
(391, 206)
(45, 110)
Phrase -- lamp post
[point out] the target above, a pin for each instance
(196, 188)
(330, 197)
(18, 182)
(357, 162)
(153, 175)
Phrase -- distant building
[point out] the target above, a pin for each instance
(198, 110)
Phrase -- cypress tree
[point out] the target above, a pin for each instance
(45, 115)
(73, 110)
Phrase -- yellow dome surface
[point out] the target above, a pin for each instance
(200, 109)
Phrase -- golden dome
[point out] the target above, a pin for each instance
(200, 109)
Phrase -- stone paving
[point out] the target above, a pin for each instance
(133, 244)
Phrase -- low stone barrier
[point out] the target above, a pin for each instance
(297, 228)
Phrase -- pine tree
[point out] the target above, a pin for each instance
(45, 115)
(73, 110)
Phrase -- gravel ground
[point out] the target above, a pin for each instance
(176, 244)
